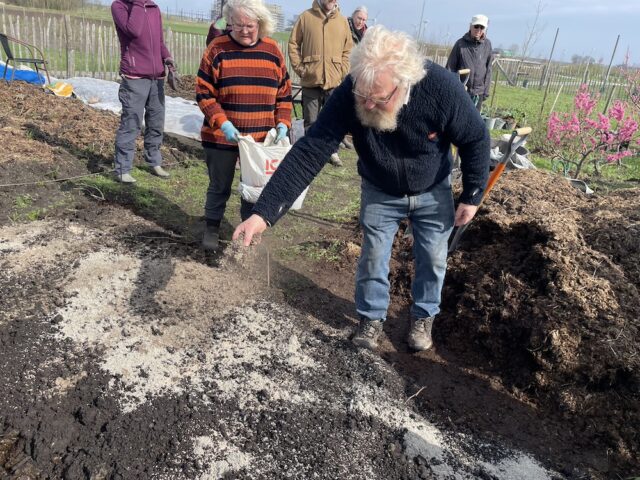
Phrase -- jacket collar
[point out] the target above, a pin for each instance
(148, 3)
(467, 36)
(317, 6)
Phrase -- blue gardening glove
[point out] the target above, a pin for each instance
(230, 132)
(282, 130)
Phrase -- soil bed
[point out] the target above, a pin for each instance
(127, 352)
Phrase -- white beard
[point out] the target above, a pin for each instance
(378, 119)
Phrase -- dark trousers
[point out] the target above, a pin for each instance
(140, 98)
(313, 99)
(221, 165)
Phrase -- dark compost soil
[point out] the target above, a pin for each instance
(543, 298)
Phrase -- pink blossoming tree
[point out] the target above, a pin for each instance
(584, 136)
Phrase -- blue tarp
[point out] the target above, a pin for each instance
(25, 75)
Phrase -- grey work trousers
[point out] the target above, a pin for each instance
(221, 165)
(140, 98)
(313, 99)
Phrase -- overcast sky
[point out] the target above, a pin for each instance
(587, 27)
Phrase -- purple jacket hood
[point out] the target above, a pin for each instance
(142, 48)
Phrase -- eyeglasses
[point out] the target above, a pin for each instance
(481, 27)
(377, 101)
(250, 28)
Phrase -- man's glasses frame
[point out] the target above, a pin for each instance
(481, 27)
(377, 101)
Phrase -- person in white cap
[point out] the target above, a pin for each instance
(473, 51)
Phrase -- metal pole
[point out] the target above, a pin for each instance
(553, 107)
(609, 98)
(493, 96)
(546, 68)
(606, 77)
(544, 100)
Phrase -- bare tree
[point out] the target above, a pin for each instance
(532, 34)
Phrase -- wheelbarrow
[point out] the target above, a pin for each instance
(518, 137)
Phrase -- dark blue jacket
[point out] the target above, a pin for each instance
(410, 160)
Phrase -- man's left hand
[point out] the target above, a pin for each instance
(170, 62)
(464, 214)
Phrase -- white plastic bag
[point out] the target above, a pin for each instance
(258, 161)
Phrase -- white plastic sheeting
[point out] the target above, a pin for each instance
(182, 117)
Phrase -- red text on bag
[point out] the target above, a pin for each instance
(271, 165)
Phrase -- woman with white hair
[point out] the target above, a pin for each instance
(404, 113)
(243, 88)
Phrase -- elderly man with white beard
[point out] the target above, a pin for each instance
(404, 113)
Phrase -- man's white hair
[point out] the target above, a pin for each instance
(382, 50)
(254, 9)
(362, 9)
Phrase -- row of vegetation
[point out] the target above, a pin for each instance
(49, 4)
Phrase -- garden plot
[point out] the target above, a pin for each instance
(139, 364)
(127, 352)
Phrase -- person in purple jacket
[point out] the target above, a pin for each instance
(143, 56)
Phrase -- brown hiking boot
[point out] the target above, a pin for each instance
(420, 334)
(367, 333)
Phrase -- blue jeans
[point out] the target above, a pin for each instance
(431, 214)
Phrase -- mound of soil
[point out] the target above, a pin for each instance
(186, 88)
(543, 293)
(46, 138)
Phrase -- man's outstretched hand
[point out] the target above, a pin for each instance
(254, 225)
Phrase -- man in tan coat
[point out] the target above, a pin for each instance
(319, 49)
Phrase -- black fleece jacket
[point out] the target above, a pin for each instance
(407, 161)
(476, 55)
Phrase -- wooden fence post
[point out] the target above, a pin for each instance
(68, 40)
(546, 68)
(606, 77)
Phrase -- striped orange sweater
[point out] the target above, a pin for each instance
(249, 86)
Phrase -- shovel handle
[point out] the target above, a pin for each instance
(493, 179)
(522, 131)
(464, 71)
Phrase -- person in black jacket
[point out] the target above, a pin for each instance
(404, 113)
(473, 51)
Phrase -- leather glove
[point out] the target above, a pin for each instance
(282, 130)
(170, 63)
(230, 132)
